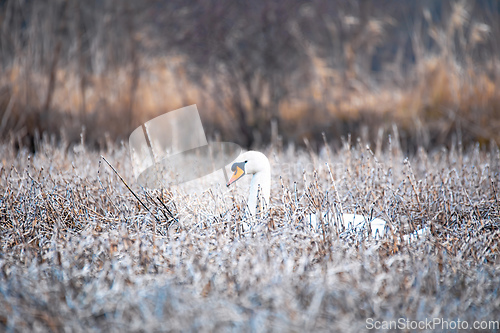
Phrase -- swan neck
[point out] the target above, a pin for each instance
(260, 187)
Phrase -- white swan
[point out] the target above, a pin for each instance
(257, 164)
(254, 163)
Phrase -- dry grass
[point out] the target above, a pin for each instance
(107, 99)
(434, 71)
(443, 99)
(79, 253)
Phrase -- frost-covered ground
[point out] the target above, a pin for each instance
(80, 253)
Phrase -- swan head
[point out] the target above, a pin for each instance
(250, 163)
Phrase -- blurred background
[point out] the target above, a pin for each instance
(260, 71)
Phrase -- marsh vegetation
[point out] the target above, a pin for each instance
(79, 253)
(381, 108)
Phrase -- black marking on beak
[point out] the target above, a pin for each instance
(239, 171)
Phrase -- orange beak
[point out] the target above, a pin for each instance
(238, 172)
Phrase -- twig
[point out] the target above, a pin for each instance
(128, 187)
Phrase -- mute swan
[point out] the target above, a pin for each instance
(257, 164)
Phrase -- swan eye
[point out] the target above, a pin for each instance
(246, 161)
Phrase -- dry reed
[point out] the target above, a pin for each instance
(79, 253)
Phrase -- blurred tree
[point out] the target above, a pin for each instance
(244, 53)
